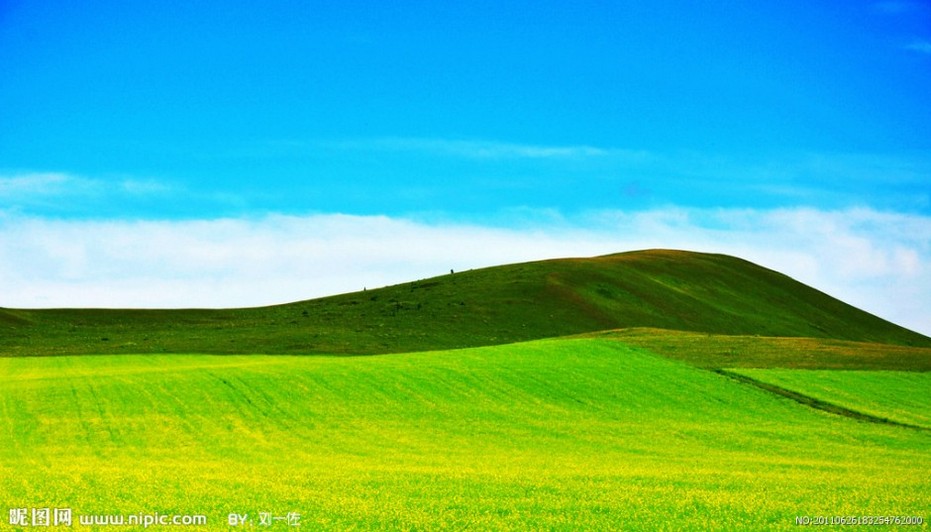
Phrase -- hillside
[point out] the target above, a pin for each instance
(660, 289)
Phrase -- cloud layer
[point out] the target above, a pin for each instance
(876, 260)
(478, 178)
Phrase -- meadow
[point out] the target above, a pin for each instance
(654, 390)
(898, 396)
(561, 434)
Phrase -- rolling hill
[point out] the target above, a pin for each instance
(658, 289)
(657, 390)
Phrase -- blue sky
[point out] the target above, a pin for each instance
(516, 116)
(401, 107)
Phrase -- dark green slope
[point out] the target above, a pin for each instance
(657, 288)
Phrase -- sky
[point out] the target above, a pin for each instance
(207, 153)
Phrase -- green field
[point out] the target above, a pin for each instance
(655, 390)
(552, 434)
(716, 351)
(902, 397)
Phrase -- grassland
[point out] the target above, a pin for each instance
(717, 351)
(902, 397)
(555, 395)
(552, 434)
(660, 289)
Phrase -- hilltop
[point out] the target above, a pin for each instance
(657, 289)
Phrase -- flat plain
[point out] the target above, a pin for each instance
(550, 434)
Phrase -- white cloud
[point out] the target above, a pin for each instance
(483, 149)
(144, 187)
(920, 45)
(27, 187)
(40, 184)
(875, 260)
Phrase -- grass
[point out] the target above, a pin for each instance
(717, 351)
(903, 397)
(621, 426)
(662, 289)
(552, 434)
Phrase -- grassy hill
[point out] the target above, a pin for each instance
(660, 289)
(617, 424)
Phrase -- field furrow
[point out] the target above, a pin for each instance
(896, 396)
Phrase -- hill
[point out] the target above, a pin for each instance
(659, 289)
